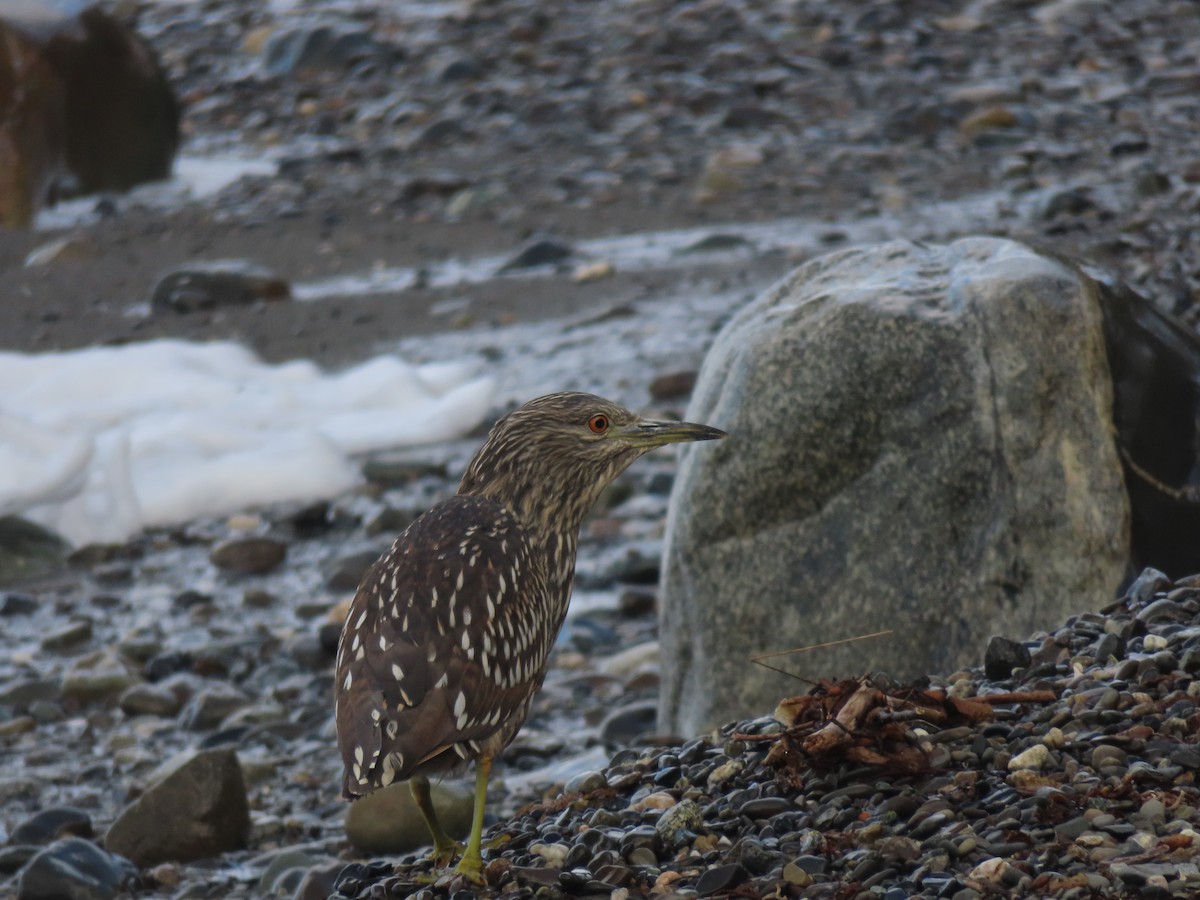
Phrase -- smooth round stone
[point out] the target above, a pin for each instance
(1035, 757)
(720, 878)
(149, 700)
(388, 821)
(795, 875)
(585, 783)
(46, 712)
(208, 708)
(96, 678)
(76, 869)
(627, 723)
(813, 865)
(50, 824)
(1108, 755)
(766, 807)
(68, 636)
(642, 856)
(281, 862)
(249, 556)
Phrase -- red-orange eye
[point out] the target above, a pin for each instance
(598, 424)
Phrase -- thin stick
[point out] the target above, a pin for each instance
(849, 640)
(758, 660)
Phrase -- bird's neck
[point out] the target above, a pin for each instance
(543, 506)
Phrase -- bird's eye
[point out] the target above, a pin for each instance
(598, 424)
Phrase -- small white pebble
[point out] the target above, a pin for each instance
(1036, 757)
(553, 854)
(1054, 738)
(992, 870)
(1152, 643)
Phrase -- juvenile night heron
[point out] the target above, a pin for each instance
(446, 640)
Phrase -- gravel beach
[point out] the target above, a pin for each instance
(662, 163)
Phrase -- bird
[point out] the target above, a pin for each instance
(447, 638)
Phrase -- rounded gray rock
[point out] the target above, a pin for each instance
(74, 869)
(920, 438)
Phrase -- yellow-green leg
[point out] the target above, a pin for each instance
(471, 864)
(445, 848)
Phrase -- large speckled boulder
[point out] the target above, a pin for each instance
(921, 439)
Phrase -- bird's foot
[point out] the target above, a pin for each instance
(445, 852)
(497, 842)
(470, 867)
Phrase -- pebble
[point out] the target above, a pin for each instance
(1002, 656)
(149, 700)
(249, 556)
(538, 252)
(15, 604)
(206, 286)
(51, 824)
(76, 869)
(68, 636)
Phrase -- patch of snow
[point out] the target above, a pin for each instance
(101, 442)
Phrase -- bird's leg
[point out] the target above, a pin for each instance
(471, 864)
(445, 848)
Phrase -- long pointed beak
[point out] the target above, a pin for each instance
(649, 433)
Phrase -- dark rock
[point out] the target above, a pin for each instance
(68, 636)
(14, 857)
(884, 430)
(19, 694)
(149, 700)
(1155, 363)
(166, 664)
(17, 604)
(1068, 202)
(209, 707)
(1003, 655)
(75, 869)
(399, 472)
(309, 651)
(319, 47)
(720, 878)
(249, 556)
(209, 285)
(625, 724)
(28, 550)
(349, 571)
(634, 602)
(320, 881)
(195, 808)
(538, 252)
(461, 68)
(313, 520)
(1147, 585)
(329, 634)
(388, 521)
(673, 385)
(51, 824)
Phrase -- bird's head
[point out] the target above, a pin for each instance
(557, 452)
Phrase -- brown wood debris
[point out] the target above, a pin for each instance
(857, 721)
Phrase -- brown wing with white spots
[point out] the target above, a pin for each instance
(442, 646)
